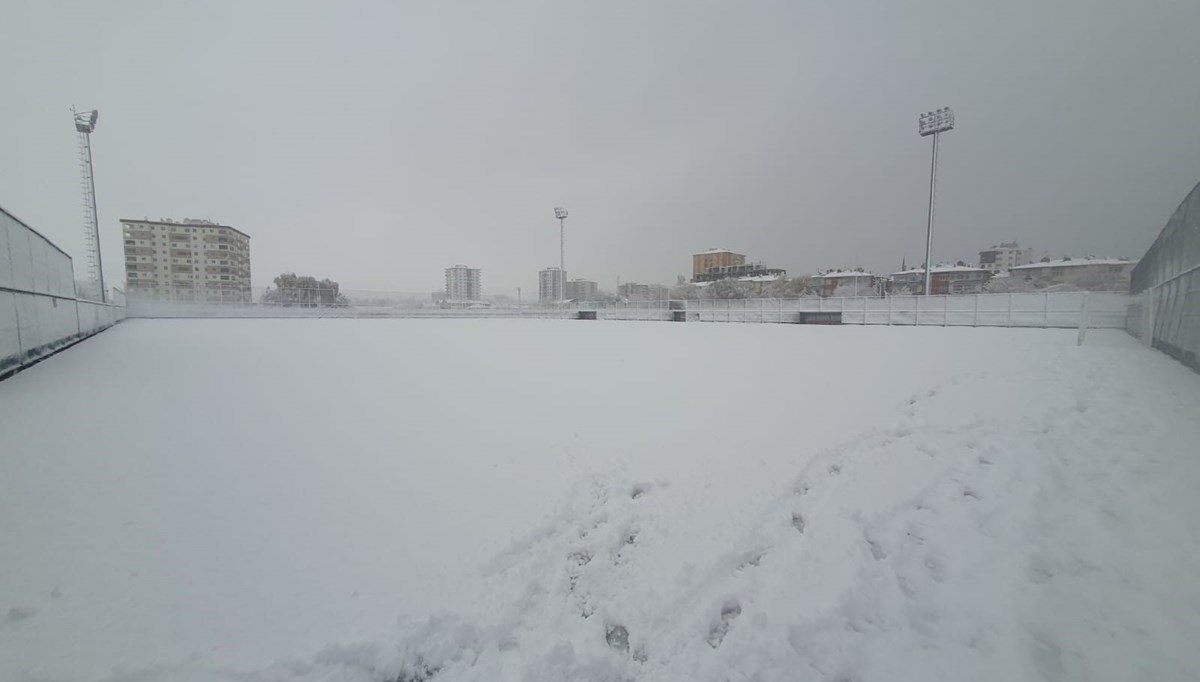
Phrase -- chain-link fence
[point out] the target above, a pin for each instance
(1166, 285)
(39, 309)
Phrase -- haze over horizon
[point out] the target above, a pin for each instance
(378, 146)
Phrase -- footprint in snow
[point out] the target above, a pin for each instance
(798, 522)
(730, 611)
(617, 637)
(18, 613)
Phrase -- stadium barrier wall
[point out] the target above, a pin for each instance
(39, 310)
(1062, 309)
(1165, 313)
(1042, 309)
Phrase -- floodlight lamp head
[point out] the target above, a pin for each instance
(938, 121)
(85, 122)
(560, 212)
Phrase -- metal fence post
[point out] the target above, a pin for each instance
(1045, 310)
(889, 299)
(1083, 321)
(975, 319)
(1150, 316)
(1010, 317)
(945, 309)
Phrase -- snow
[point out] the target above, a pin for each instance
(353, 500)
(848, 273)
(1060, 263)
(941, 268)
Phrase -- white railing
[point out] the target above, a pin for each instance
(1046, 309)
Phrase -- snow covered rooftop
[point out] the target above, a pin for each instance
(701, 253)
(941, 268)
(1072, 262)
(845, 273)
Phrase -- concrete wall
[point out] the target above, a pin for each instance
(39, 312)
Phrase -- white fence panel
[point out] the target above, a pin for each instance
(19, 256)
(39, 313)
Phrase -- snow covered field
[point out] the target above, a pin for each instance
(353, 500)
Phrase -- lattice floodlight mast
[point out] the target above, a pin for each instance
(933, 123)
(561, 214)
(85, 123)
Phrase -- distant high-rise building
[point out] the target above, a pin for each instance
(463, 284)
(549, 281)
(715, 258)
(581, 290)
(1004, 257)
(190, 260)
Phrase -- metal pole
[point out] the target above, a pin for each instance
(1083, 320)
(929, 229)
(1150, 303)
(562, 268)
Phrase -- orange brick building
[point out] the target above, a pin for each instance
(715, 258)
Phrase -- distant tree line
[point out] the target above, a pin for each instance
(304, 292)
(784, 287)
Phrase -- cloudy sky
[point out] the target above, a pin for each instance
(377, 143)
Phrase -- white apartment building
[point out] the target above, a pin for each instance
(1100, 273)
(463, 284)
(189, 260)
(1005, 256)
(549, 281)
(846, 283)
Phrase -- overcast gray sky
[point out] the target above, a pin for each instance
(377, 143)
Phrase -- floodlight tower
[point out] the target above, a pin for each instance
(933, 123)
(561, 214)
(85, 123)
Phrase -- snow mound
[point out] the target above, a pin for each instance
(1044, 547)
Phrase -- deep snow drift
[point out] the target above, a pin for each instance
(265, 499)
